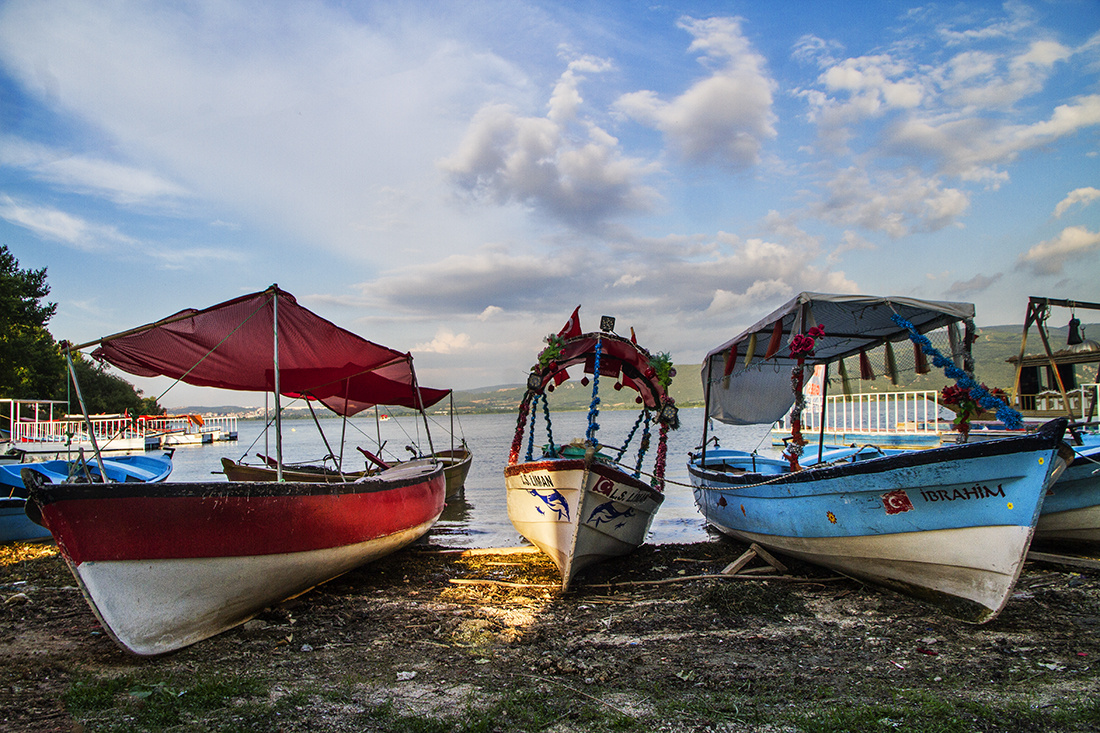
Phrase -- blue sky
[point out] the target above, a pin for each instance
(454, 178)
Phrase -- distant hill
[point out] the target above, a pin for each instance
(994, 346)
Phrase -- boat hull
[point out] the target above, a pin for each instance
(579, 514)
(15, 526)
(951, 524)
(166, 565)
(1071, 510)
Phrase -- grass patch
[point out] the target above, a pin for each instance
(924, 713)
(132, 704)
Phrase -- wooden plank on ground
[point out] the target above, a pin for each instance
(1077, 562)
(768, 558)
(739, 563)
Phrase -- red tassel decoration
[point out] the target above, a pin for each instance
(777, 336)
(865, 371)
(920, 360)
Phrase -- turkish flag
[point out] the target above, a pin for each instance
(572, 326)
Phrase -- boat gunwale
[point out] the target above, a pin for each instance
(1047, 437)
(45, 494)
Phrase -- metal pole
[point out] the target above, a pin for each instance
(87, 417)
(278, 407)
(706, 414)
(824, 402)
(420, 406)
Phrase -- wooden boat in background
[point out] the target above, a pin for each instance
(456, 466)
(165, 565)
(951, 525)
(577, 503)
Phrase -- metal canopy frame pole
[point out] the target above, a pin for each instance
(87, 417)
(278, 407)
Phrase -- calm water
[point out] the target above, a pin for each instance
(478, 518)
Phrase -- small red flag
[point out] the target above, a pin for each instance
(572, 326)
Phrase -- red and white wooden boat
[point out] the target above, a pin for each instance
(577, 503)
(166, 565)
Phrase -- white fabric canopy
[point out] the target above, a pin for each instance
(759, 391)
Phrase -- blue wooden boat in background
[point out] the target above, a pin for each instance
(15, 526)
(951, 525)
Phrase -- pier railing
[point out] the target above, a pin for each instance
(65, 431)
(916, 412)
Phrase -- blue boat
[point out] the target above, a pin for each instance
(950, 525)
(15, 526)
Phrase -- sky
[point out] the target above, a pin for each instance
(454, 178)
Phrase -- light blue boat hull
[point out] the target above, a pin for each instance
(15, 526)
(950, 524)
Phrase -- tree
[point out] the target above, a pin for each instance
(107, 393)
(31, 365)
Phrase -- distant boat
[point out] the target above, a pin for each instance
(576, 502)
(166, 565)
(951, 525)
(456, 466)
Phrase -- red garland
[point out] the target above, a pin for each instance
(801, 347)
(517, 440)
(659, 462)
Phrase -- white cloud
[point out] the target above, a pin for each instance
(897, 204)
(445, 342)
(1076, 196)
(1052, 256)
(87, 174)
(489, 313)
(59, 226)
(724, 119)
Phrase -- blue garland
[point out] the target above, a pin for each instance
(531, 432)
(549, 431)
(1011, 418)
(633, 430)
(594, 410)
(642, 447)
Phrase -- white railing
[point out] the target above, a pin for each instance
(1080, 400)
(226, 424)
(876, 412)
(106, 428)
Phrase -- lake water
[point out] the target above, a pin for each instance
(479, 517)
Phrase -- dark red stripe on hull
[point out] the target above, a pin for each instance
(225, 525)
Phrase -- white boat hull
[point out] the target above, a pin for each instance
(154, 606)
(579, 515)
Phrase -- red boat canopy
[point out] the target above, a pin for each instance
(232, 346)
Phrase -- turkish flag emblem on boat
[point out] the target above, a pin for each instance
(896, 501)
